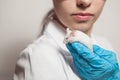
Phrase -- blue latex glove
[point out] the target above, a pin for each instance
(100, 64)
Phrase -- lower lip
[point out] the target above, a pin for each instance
(82, 18)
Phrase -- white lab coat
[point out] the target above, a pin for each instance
(47, 58)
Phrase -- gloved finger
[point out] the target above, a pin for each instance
(75, 56)
(106, 54)
(94, 70)
(93, 59)
(72, 51)
(97, 49)
(82, 51)
(81, 70)
(117, 75)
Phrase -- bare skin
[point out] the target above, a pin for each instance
(78, 14)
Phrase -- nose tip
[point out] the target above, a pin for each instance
(83, 3)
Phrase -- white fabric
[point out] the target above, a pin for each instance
(76, 35)
(47, 58)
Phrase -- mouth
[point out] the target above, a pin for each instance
(82, 17)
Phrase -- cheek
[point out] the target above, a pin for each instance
(60, 11)
(64, 7)
(99, 7)
(63, 14)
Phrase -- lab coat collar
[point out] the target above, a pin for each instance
(57, 32)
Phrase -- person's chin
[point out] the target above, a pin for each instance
(81, 27)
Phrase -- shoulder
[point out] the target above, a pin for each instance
(41, 46)
(103, 42)
(41, 57)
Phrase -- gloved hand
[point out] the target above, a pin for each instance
(99, 64)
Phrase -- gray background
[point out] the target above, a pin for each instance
(20, 25)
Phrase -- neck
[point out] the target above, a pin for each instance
(88, 32)
(55, 18)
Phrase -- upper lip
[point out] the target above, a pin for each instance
(83, 14)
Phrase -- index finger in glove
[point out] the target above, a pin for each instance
(75, 56)
(84, 51)
(108, 55)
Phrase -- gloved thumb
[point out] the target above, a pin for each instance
(97, 49)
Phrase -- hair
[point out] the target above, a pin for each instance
(50, 15)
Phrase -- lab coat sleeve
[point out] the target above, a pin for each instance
(23, 69)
